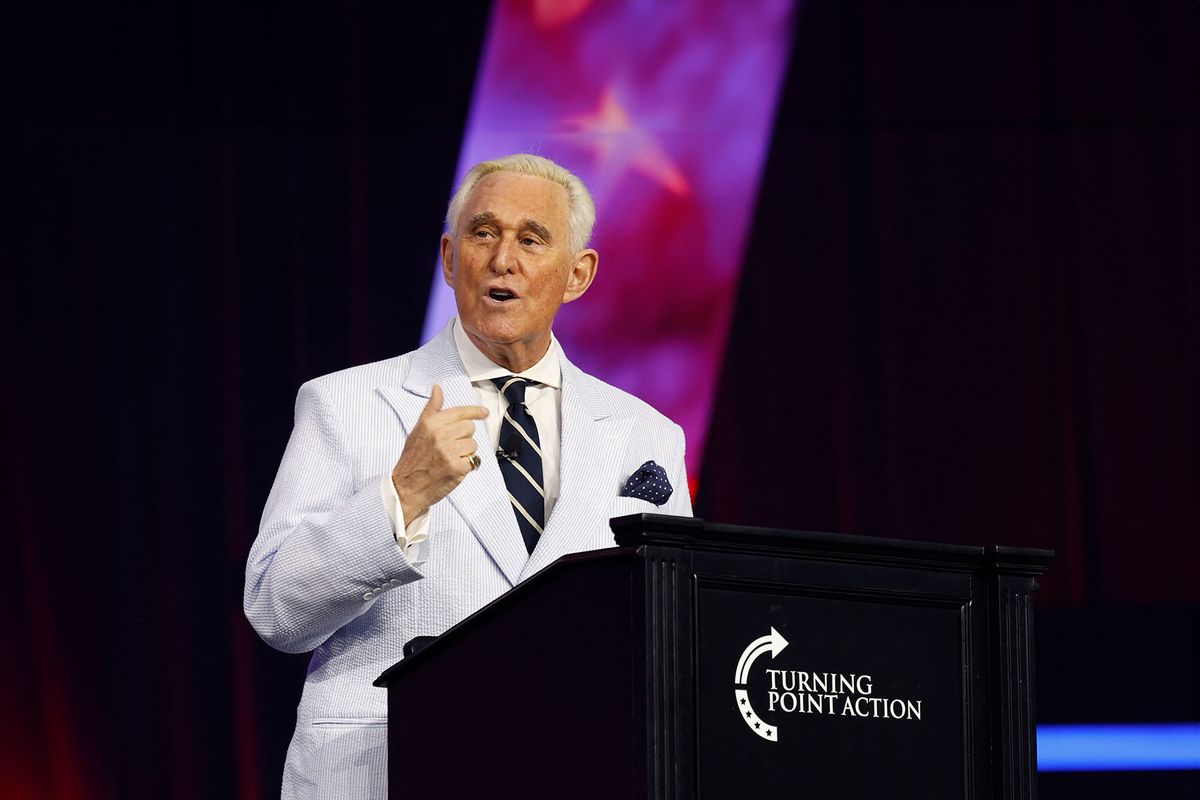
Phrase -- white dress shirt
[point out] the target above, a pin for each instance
(544, 401)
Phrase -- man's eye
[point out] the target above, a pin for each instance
(482, 234)
(530, 241)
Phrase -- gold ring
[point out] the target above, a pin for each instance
(474, 461)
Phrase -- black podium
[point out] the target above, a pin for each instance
(718, 661)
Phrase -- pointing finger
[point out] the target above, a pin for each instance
(465, 412)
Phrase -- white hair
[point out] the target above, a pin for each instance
(581, 211)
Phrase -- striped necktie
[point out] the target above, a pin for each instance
(520, 457)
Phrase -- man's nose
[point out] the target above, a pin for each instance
(505, 257)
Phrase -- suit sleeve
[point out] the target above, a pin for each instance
(326, 549)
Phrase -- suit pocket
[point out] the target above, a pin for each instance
(349, 722)
(351, 758)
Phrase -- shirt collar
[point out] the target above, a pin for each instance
(481, 368)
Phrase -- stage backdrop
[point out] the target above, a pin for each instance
(966, 309)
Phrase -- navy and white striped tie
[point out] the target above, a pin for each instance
(520, 457)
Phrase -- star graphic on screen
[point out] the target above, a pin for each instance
(621, 145)
(747, 713)
(768, 734)
(743, 701)
(553, 13)
(757, 726)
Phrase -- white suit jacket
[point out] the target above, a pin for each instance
(325, 573)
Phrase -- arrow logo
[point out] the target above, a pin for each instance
(774, 643)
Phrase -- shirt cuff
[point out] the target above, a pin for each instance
(409, 536)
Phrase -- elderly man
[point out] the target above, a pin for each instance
(415, 490)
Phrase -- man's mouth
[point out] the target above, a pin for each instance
(501, 295)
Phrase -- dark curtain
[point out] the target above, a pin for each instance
(969, 313)
(975, 283)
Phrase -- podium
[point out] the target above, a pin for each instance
(698, 660)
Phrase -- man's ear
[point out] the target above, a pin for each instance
(448, 260)
(583, 272)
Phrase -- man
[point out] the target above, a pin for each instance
(415, 490)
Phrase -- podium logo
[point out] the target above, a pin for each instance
(793, 691)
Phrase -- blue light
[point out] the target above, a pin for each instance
(1107, 748)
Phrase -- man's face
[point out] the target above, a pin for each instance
(511, 267)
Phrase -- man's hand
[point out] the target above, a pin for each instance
(435, 456)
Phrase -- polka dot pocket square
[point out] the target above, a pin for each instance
(650, 483)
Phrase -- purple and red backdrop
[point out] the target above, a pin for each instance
(956, 297)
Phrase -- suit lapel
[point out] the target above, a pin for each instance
(481, 498)
(592, 442)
